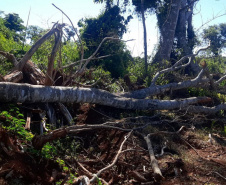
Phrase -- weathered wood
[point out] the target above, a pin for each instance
(66, 113)
(154, 162)
(14, 92)
(15, 76)
(28, 122)
(34, 48)
(33, 74)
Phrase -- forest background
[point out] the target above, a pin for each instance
(65, 84)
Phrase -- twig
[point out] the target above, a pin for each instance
(220, 175)
(208, 21)
(95, 176)
(83, 60)
(82, 68)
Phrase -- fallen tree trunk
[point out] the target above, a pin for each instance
(14, 92)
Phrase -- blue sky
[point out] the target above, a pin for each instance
(43, 14)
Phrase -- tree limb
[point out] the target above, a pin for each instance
(176, 65)
(84, 60)
(154, 162)
(14, 92)
(34, 48)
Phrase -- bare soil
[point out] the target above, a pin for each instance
(188, 158)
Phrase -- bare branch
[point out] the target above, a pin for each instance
(49, 73)
(173, 68)
(83, 60)
(208, 21)
(82, 48)
(10, 57)
(82, 68)
(95, 176)
(155, 89)
(34, 48)
(176, 65)
(221, 79)
(154, 162)
(206, 110)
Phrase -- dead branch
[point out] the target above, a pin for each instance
(34, 48)
(154, 162)
(220, 80)
(206, 110)
(49, 74)
(176, 65)
(173, 68)
(66, 113)
(84, 60)
(82, 68)
(15, 76)
(208, 21)
(161, 89)
(95, 176)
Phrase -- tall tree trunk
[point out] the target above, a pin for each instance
(191, 36)
(145, 38)
(167, 31)
(181, 29)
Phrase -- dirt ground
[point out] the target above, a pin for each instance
(190, 157)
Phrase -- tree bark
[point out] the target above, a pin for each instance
(13, 92)
(154, 162)
(49, 80)
(145, 38)
(181, 29)
(34, 48)
(167, 31)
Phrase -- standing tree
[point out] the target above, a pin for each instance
(141, 6)
(15, 24)
(217, 35)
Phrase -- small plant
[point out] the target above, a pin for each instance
(15, 122)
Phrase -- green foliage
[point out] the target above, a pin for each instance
(70, 53)
(7, 44)
(15, 122)
(136, 72)
(104, 80)
(14, 22)
(148, 5)
(34, 33)
(216, 65)
(6, 36)
(49, 151)
(68, 146)
(40, 57)
(108, 24)
(136, 69)
(217, 35)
